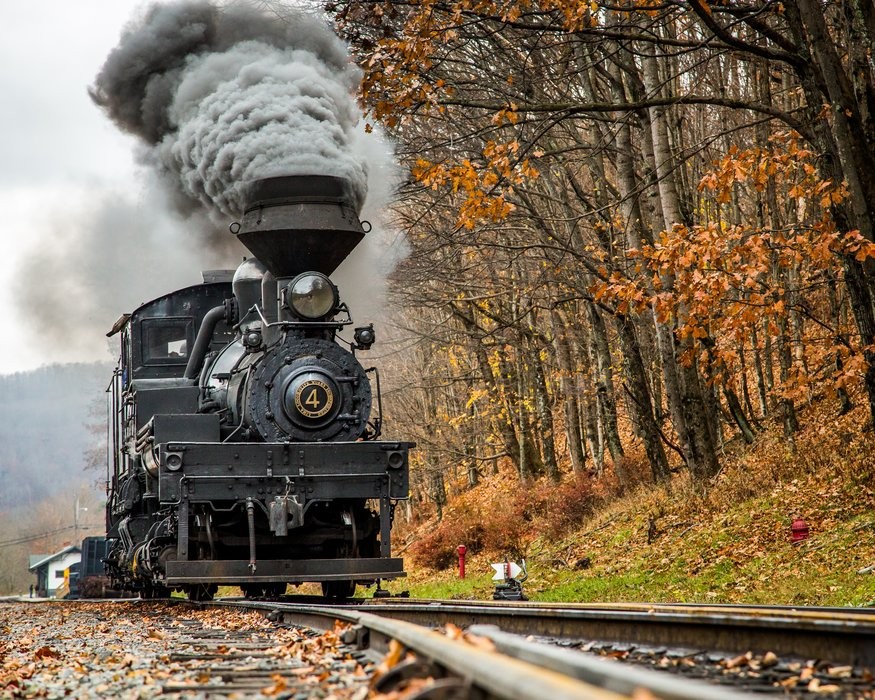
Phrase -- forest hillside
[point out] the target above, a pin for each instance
(52, 459)
(49, 420)
(642, 261)
(589, 539)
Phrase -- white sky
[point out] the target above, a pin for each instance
(55, 145)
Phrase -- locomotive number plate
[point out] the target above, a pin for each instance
(313, 398)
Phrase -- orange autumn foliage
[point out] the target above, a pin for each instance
(718, 278)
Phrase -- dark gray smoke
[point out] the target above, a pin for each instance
(223, 95)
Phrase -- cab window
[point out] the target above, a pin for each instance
(167, 340)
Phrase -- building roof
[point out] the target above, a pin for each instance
(38, 560)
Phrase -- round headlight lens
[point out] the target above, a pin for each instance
(311, 295)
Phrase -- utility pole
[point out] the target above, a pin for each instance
(76, 520)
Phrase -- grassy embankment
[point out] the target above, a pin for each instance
(725, 541)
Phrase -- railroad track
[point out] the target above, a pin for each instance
(806, 653)
(843, 635)
(392, 646)
(131, 649)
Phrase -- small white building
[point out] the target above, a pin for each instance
(49, 569)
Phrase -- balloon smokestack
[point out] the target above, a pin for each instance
(297, 223)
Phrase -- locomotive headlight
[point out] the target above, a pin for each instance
(311, 296)
(364, 337)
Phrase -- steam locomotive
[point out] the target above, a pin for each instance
(245, 449)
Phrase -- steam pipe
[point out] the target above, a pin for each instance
(202, 342)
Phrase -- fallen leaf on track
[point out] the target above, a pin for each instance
(46, 653)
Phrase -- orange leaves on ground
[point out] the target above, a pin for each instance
(278, 686)
(458, 634)
(498, 518)
(396, 654)
(412, 687)
(110, 650)
(46, 652)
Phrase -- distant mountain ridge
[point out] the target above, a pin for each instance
(49, 418)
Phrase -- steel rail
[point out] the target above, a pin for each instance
(515, 671)
(802, 610)
(845, 637)
(592, 669)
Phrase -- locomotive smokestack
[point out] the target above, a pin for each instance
(297, 223)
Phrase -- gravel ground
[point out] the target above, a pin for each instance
(764, 674)
(138, 649)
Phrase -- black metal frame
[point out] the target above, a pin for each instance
(234, 472)
(230, 572)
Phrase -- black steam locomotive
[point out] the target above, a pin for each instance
(245, 447)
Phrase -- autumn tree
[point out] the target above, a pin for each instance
(629, 212)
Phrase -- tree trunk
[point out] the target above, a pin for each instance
(472, 445)
(605, 386)
(573, 430)
(692, 414)
(545, 417)
(640, 401)
(638, 233)
(438, 492)
(585, 382)
(737, 414)
(745, 389)
(845, 403)
(758, 371)
(768, 353)
(848, 156)
(785, 360)
(495, 384)
(524, 470)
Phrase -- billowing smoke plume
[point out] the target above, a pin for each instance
(223, 95)
(216, 97)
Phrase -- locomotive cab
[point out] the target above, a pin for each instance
(245, 449)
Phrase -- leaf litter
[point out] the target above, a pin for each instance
(138, 649)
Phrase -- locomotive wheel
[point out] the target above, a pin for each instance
(151, 592)
(202, 591)
(338, 589)
(274, 590)
(252, 590)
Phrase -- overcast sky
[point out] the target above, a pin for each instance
(85, 235)
(56, 148)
